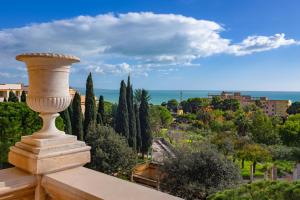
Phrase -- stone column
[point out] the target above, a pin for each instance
(49, 149)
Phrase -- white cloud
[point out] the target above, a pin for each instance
(137, 42)
(254, 44)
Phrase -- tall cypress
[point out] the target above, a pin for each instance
(100, 113)
(23, 96)
(77, 128)
(12, 97)
(90, 107)
(145, 123)
(131, 115)
(67, 121)
(121, 123)
(138, 129)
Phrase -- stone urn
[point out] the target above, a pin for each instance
(48, 150)
(48, 88)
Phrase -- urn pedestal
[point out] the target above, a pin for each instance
(49, 149)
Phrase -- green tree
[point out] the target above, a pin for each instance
(145, 123)
(231, 104)
(217, 102)
(90, 107)
(138, 96)
(110, 152)
(100, 113)
(243, 123)
(4, 100)
(12, 97)
(77, 126)
(195, 175)
(131, 115)
(172, 105)
(122, 122)
(195, 104)
(255, 153)
(138, 129)
(262, 129)
(67, 121)
(294, 108)
(160, 117)
(23, 96)
(290, 131)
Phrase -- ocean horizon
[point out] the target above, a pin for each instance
(159, 96)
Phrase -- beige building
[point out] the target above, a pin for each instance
(15, 88)
(270, 107)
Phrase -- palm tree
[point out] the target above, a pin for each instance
(138, 96)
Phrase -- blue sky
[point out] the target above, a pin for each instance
(163, 44)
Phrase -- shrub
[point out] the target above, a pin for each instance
(194, 175)
(263, 190)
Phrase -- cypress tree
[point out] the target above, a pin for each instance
(138, 129)
(121, 123)
(12, 97)
(23, 96)
(5, 100)
(90, 107)
(131, 115)
(77, 128)
(100, 113)
(67, 121)
(145, 123)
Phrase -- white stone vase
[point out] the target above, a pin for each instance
(48, 88)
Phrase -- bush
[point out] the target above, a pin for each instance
(194, 175)
(264, 190)
(110, 152)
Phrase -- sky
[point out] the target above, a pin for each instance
(163, 44)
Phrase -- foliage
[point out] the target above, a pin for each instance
(262, 129)
(90, 106)
(100, 113)
(138, 96)
(290, 131)
(294, 108)
(67, 121)
(194, 175)
(146, 133)
(275, 190)
(110, 151)
(12, 97)
(77, 128)
(16, 120)
(195, 104)
(131, 115)
(138, 128)
(23, 97)
(122, 123)
(172, 105)
(160, 117)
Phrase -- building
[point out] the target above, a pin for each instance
(270, 107)
(15, 88)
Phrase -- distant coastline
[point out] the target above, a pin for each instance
(159, 96)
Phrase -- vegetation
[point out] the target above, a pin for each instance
(146, 134)
(90, 106)
(131, 115)
(77, 126)
(110, 151)
(195, 175)
(12, 97)
(261, 190)
(100, 114)
(122, 123)
(17, 120)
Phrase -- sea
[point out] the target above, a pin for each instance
(159, 96)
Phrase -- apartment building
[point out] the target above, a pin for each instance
(270, 107)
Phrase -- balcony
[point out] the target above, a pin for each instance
(49, 163)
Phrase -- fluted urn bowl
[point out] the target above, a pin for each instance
(48, 87)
